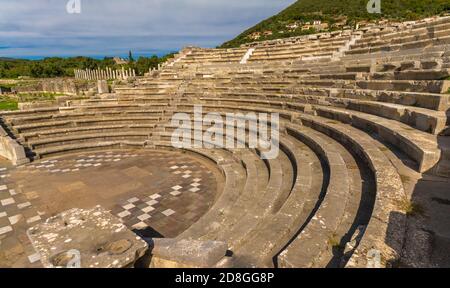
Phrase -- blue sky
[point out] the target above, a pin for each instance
(41, 28)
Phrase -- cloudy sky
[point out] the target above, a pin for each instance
(39, 28)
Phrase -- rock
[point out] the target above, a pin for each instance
(86, 239)
(171, 253)
(103, 87)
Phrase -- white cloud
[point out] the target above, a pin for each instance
(41, 27)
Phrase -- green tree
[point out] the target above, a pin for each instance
(130, 57)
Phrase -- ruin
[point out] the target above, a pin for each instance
(364, 137)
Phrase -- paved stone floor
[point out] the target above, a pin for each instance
(155, 193)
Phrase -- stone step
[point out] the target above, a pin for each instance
(275, 231)
(423, 119)
(87, 146)
(85, 122)
(90, 129)
(320, 233)
(80, 138)
(389, 192)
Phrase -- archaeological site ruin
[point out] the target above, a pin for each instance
(361, 178)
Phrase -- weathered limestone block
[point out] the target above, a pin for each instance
(86, 239)
(173, 253)
(103, 87)
(409, 65)
(431, 63)
(12, 150)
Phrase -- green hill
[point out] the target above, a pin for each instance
(293, 21)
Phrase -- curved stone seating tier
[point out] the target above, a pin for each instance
(280, 226)
(385, 231)
(433, 122)
(422, 147)
(17, 122)
(422, 86)
(250, 205)
(153, 100)
(389, 186)
(432, 29)
(403, 46)
(330, 222)
(51, 132)
(85, 122)
(41, 144)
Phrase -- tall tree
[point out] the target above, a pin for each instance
(130, 57)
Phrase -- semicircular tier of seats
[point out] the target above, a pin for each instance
(348, 126)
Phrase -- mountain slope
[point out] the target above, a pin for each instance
(335, 14)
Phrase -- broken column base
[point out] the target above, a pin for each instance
(95, 238)
(174, 253)
(86, 239)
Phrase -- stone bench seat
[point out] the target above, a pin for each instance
(401, 39)
(74, 116)
(426, 120)
(256, 177)
(430, 121)
(404, 46)
(422, 86)
(313, 247)
(439, 30)
(304, 45)
(235, 235)
(386, 228)
(289, 57)
(296, 50)
(383, 183)
(87, 146)
(40, 134)
(28, 111)
(412, 75)
(80, 138)
(281, 225)
(413, 54)
(419, 146)
(86, 122)
(433, 101)
(154, 100)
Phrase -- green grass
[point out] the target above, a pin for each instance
(30, 97)
(411, 208)
(333, 242)
(11, 102)
(332, 12)
(8, 86)
(8, 105)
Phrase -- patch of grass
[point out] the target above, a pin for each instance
(30, 97)
(334, 242)
(410, 208)
(8, 86)
(8, 105)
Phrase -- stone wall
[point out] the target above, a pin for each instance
(68, 86)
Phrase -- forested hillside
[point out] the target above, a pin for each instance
(298, 18)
